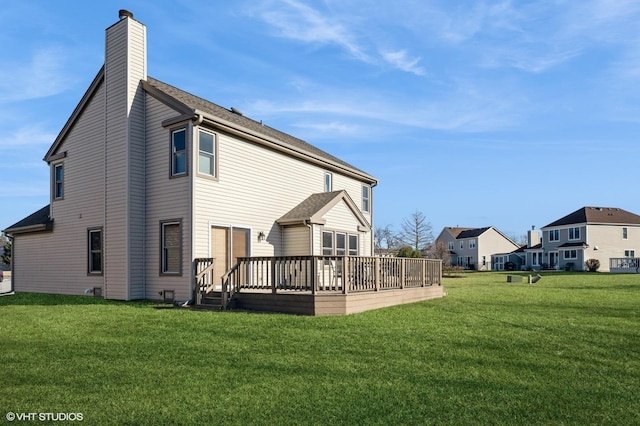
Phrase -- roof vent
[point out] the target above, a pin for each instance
(123, 13)
(236, 111)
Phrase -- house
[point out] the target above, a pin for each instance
(154, 189)
(610, 235)
(473, 248)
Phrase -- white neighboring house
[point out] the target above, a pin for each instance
(474, 248)
(146, 178)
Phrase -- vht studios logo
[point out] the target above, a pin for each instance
(52, 417)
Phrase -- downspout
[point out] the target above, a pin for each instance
(310, 226)
(372, 242)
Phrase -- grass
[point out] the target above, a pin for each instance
(564, 351)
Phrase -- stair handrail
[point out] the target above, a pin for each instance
(229, 289)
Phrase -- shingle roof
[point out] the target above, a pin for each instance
(286, 140)
(38, 221)
(311, 206)
(593, 215)
(472, 233)
(455, 231)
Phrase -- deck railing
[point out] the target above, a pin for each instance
(624, 264)
(344, 274)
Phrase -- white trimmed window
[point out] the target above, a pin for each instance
(353, 244)
(207, 157)
(179, 152)
(366, 198)
(451, 248)
(574, 233)
(571, 254)
(328, 182)
(327, 243)
(341, 244)
(554, 235)
(472, 244)
(629, 253)
(625, 233)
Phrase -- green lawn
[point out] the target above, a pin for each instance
(565, 351)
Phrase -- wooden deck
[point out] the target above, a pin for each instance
(322, 285)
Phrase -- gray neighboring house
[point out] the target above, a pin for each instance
(608, 234)
(474, 248)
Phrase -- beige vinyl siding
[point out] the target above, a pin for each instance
(296, 241)
(64, 251)
(608, 239)
(124, 68)
(136, 160)
(492, 242)
(256, 186)
(354, 189)
(341, 218)
(166, 199)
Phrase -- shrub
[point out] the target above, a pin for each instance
(592, 264)
(406, 251)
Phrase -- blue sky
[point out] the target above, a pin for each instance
(476, 113)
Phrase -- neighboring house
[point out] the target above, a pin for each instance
(147, 178)
(602, 233)
(473, 248)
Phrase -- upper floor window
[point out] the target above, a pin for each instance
(366, 198)
(95, 251)
(574, 233)
(58, 181)
(451, 246)
(625, 232)
(461, 245)
(171, 243)
(179, 152)
(472, 244)
(207, 154)
(629, 253)
(554, 235)
(328, 182)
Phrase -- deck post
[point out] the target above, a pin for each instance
(273, 276)
(345, 275)
(377, 273)
(314, 274)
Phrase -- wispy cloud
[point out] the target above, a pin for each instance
(41, 76)
(466, 109)
(400, 60)
(28, 136)
(296, 20)
(350, 31)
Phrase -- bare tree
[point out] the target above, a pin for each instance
(384, 239)
(416, 231)
(440, 250)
